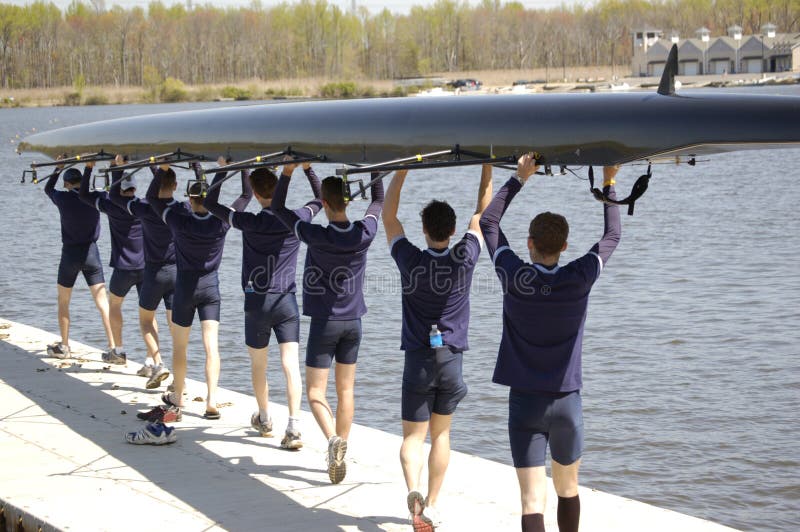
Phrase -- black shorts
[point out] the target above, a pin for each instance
(266, 312)
(123, 280)
(536, 419)
(80, 258)
(329, 339)
(195, 291)
(158, 283)
(432, 383)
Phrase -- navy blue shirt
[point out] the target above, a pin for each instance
(436, 285)
(199, 238)
(336, 259)
(159, 246)
(269, 248)
(544, 308)
(80, 223)
(127, 242)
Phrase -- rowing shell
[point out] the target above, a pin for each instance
(568, 129)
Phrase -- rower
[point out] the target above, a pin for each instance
(80, 228)
(333, 297)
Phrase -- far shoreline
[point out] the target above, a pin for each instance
(583, 79)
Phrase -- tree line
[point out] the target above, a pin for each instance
(43, 46)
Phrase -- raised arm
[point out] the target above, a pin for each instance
(376, 192)
(240, 203)
(311, 208)
(288, 217)
(211, 201)
(484, 197)
(391, 224)
(313, 180)
(490, 219)
(157, 204)
(50, 186)
(611, 220)
(89, 198)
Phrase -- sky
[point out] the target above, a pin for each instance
(396, 6)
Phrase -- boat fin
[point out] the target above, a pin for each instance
(667, 85)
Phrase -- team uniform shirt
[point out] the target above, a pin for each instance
(544, 308)
(80, 223)
(336, 257)
(199, 238)
(158, 244)
(127, 242)
(269, 248)
(436, 285)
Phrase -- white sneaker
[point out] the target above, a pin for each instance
(337, 467)
(152, 434)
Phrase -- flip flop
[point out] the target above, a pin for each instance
(212, 414)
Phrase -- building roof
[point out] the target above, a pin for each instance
(659, 50)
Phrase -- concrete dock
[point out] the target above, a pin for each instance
(66, 466)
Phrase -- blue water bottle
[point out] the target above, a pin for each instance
(435, 337)
(249, 288)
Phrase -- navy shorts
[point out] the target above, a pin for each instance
(195, 291)
(329, 339)
(123, 280)
(266, 312)
(432, 383)
(158, 283)
(538, 418)
(80, 258)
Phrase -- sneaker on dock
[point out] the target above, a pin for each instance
(416, 505)
(58, 350)
(145, 371)
(264, 428)
(337, 467)
(152, 434)
(291, 440)
(158, 375)
(115, 356)
(162, 414)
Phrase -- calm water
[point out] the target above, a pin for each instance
(691, 357)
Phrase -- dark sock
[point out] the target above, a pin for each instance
(533, 523)
(569, 513)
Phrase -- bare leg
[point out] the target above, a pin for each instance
(115, 318)
(149, 327)
(345, 407)
(64, 295)
(565, 478)
(411, 456)
(211, 344)
(180, 343)
(291, 370)
(533, 489)
(101, 302)
(316, 388)
(439, 457)
(258, 374)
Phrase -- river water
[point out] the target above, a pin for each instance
(691, 353)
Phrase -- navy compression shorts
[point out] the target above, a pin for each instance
(80, 258)
(332, 339)
(264, 313)
(158, 283)
(195, 291)
(432, 383)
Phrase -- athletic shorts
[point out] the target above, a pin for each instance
(195, 291)
(123, 280)
(538, 418)
(264, 313)
(332, 339)
(80, 258)
(158, 283)
(432, 383)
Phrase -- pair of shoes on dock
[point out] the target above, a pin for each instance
(291, 439)
(58, 350)
(155, 374)
(424, 518)
(152, 434)
(337, 467)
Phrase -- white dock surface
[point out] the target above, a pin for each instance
(66, 466)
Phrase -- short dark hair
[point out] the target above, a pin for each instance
(438, 220)
(549, 232)
(333, 193)
(263, 181)
(72, 175)
(196, 189)
(168, 179)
